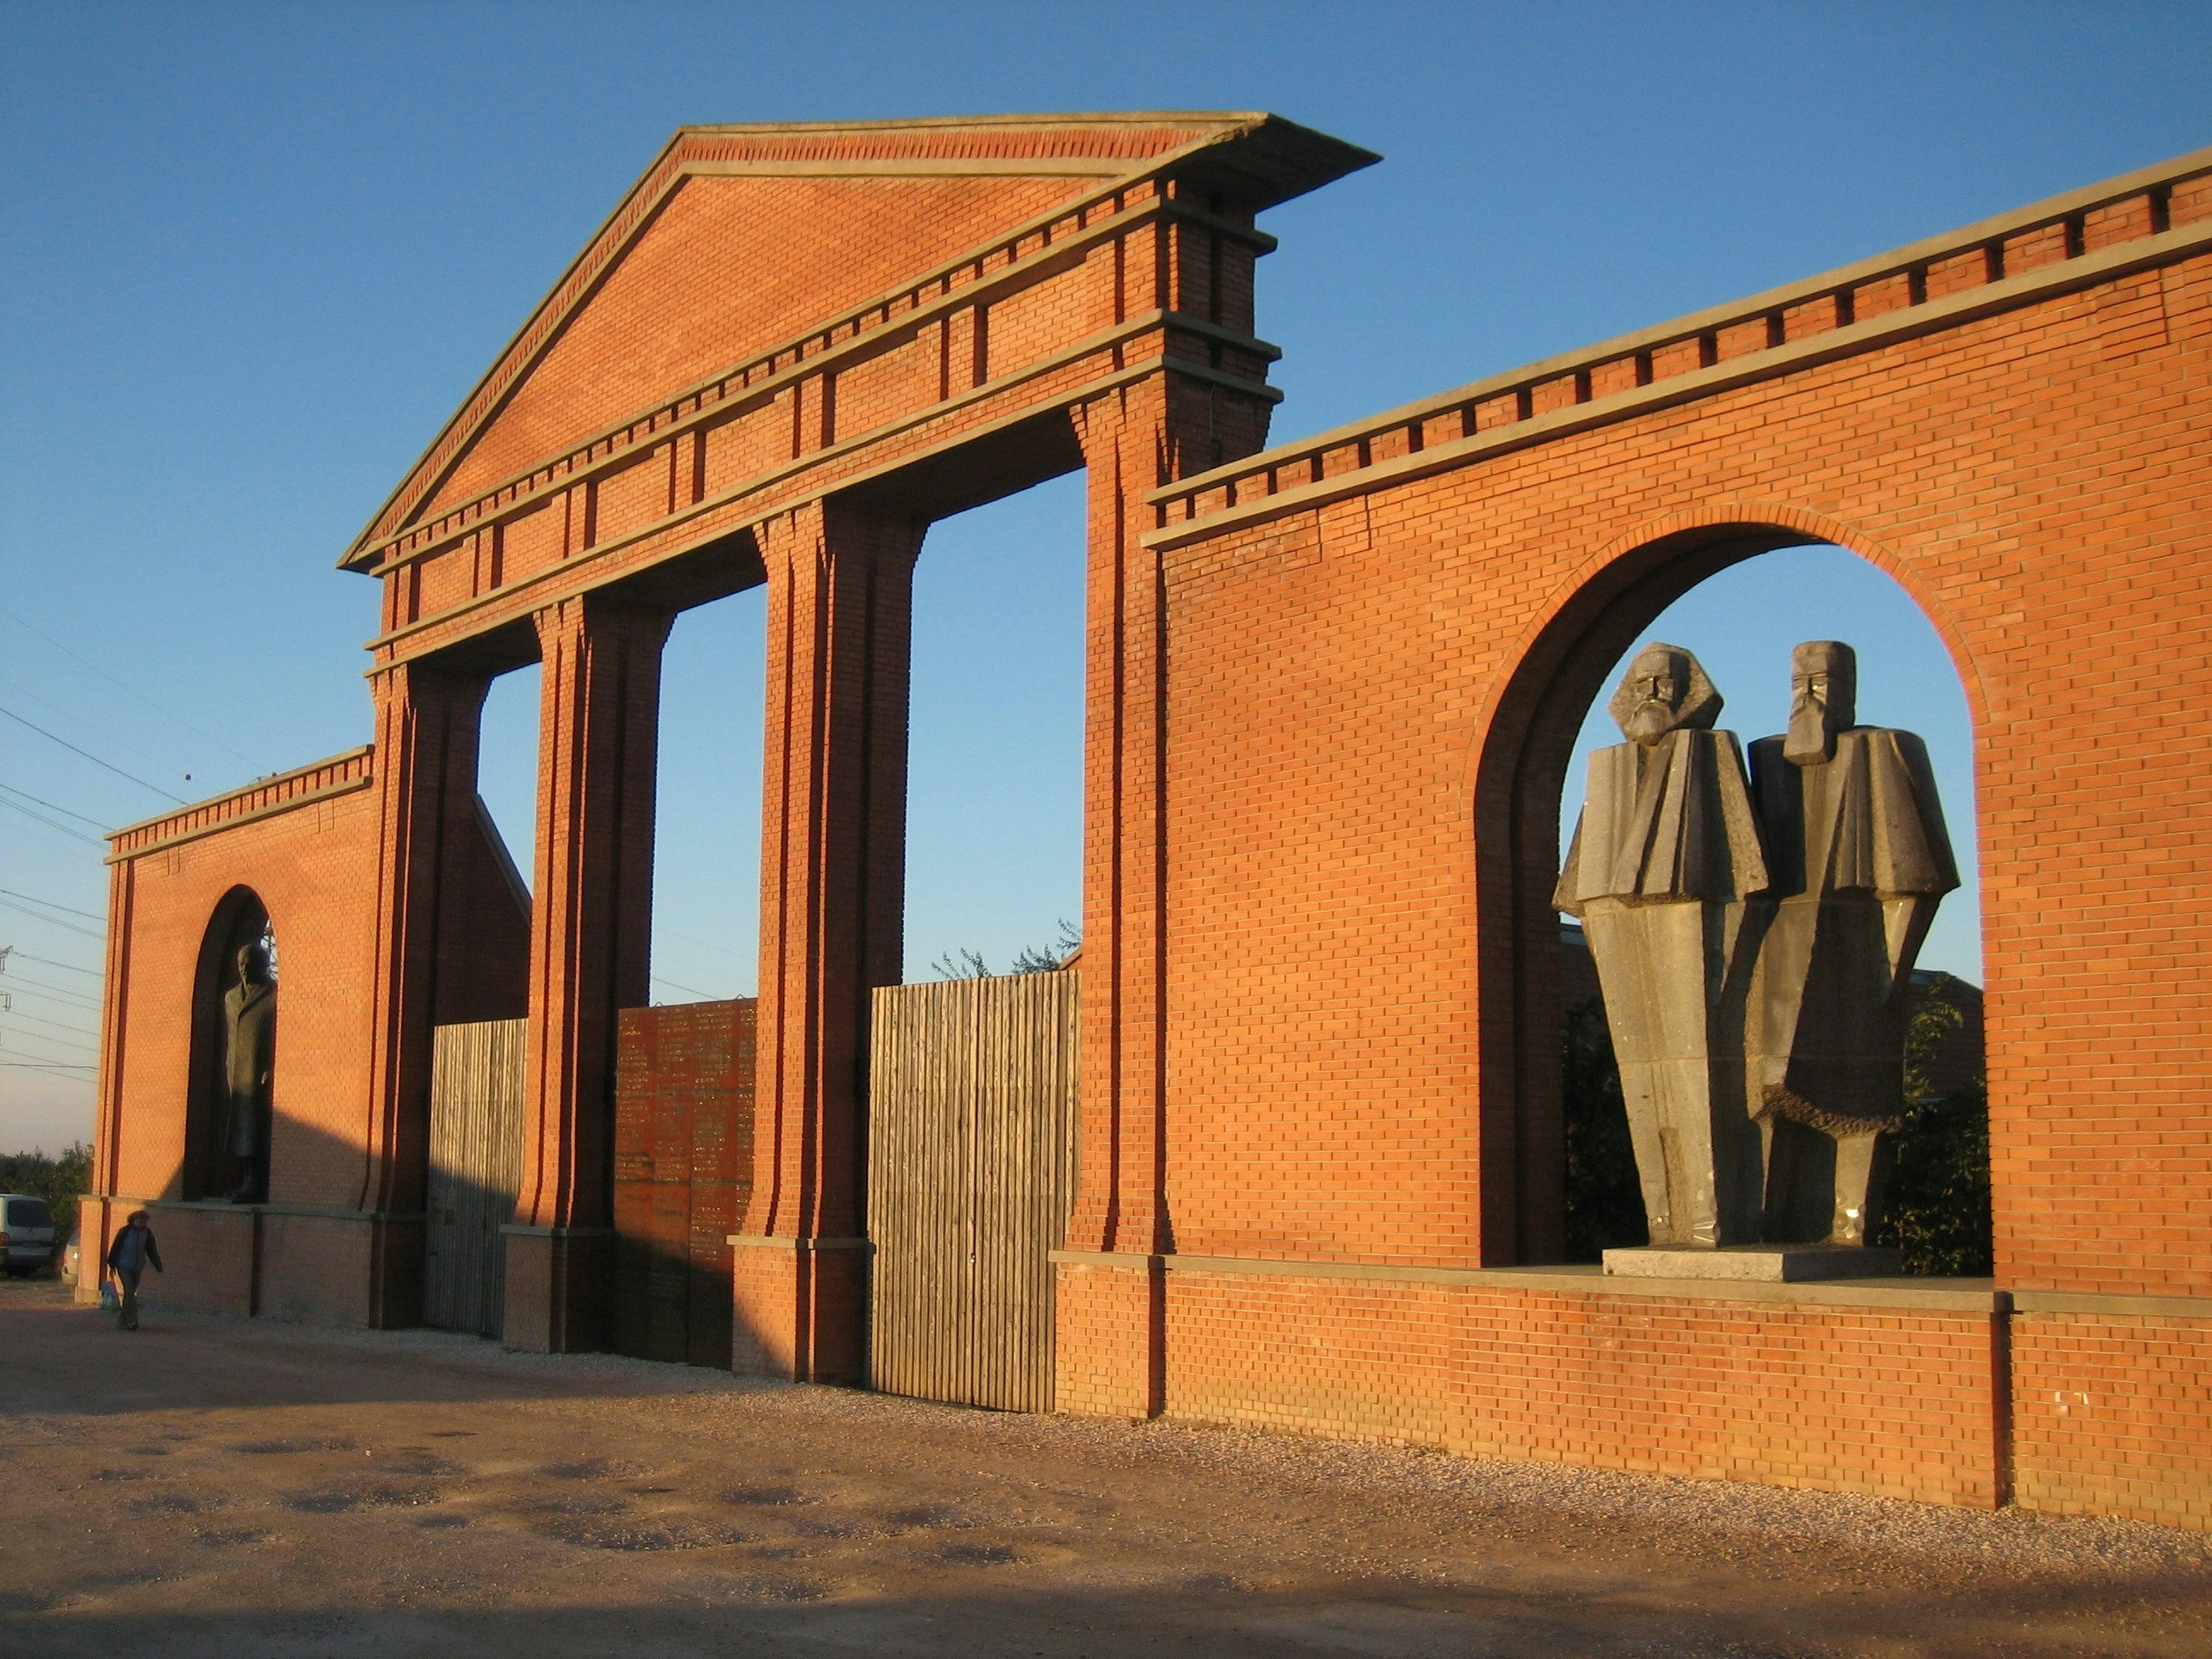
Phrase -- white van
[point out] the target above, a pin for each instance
(26, 1233)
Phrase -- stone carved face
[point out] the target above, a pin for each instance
(1824, 681)
(253, 964)
(1664, 691)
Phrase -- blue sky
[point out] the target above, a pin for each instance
(251, 257)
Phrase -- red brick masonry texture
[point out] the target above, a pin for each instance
(1332, 687)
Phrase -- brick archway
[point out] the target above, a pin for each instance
(239, 918)
(1516, 775)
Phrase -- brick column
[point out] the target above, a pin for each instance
(590, 950)
(427, 727)
(833, 879)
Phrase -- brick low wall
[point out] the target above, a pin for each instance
(2112, 1407)
(1886, 1388)
(280, 1261)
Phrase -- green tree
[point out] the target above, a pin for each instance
(1605, 1204)
(61, 1181)
(1937, 1210)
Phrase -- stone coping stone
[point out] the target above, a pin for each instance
(1771, 1264)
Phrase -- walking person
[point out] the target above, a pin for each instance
(128, 1256)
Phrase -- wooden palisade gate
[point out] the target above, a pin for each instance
(476, 1170)
(971, 1173)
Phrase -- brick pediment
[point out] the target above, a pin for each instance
(740, 238)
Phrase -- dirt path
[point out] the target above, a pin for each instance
(228, 1488)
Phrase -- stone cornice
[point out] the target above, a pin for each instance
(1967, 1296)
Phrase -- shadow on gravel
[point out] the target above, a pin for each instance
(65, 1360)
(774, 1613)
(706, 1610)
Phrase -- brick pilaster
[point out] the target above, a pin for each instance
(590, 953)
(1110, 1315)
(427, 725)
(833, 880)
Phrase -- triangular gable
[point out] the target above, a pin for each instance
(738, 238)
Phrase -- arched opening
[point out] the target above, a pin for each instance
(210, 1169)
(1547, 1060)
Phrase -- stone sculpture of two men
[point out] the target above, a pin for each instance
(1755, 939)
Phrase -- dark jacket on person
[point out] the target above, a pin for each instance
(151, 1254)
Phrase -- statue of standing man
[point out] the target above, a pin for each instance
(1664, 857)
(249, 1065)
(1855, 838)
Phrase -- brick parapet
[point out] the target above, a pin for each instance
(2112, 1412)
(2155, 215)
(285, 792)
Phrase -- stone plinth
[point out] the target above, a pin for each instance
(1773, 1264)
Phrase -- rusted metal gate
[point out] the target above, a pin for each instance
(476, 1172)
(684, 1141)
(971, 1173)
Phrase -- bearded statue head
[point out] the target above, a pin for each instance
(1664, 691)
(1824, 689)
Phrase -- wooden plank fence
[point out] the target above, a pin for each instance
(971, 1174)
(476, 1172)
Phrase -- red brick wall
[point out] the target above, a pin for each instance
(1895, 1399)
(1323, 755)
(2031, 478)
(315, 868)
(729, 267)
(684, 1134)
(2112, 1414)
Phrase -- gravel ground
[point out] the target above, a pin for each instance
(240, 1487)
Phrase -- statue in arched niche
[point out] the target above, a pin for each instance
(1664, 860)
(249, 1064)
(1856, 839)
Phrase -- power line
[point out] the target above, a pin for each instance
(168, 714)
(72, 714)
(50, 921)
(58, 828)
(42, 1066)
(52, 806)
(66, 909)
(48, 961)
(678, 985)
(38, 1037)
(73, 1030)
(73, 993)
(18, 987)
(94, 758)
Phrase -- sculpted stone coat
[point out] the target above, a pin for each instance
(1859, 859)
(249, 1059)
(1663, 858)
